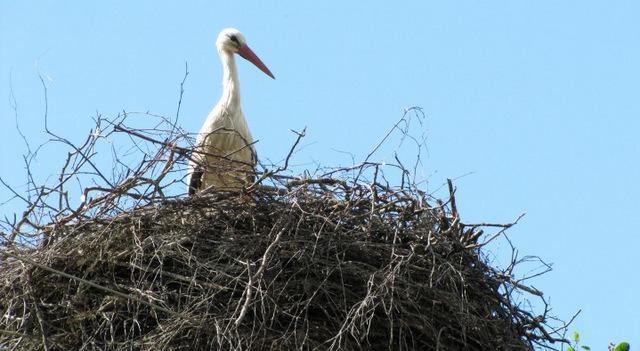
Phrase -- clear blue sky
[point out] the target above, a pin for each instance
(540, 100)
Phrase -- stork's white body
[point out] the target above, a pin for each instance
(224, 146)
(224, 157)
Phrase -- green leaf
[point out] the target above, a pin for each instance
(576, 336)
(623, 346)
(586, 348)
(570, 348)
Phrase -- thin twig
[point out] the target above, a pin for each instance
(87, 282)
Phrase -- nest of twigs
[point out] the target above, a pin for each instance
(324, 263)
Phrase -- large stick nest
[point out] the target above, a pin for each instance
(320, 263)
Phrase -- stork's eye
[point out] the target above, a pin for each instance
(234, 39)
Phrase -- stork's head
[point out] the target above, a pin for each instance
(232, 41)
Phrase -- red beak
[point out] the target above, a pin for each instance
(250, 56)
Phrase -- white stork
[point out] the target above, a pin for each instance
(224, 156)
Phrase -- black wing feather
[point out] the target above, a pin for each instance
(195, 183)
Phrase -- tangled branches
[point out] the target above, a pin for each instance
(337, 261)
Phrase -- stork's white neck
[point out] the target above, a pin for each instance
(230, 98)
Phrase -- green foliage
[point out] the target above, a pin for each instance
(576, 337)
(575, 344)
